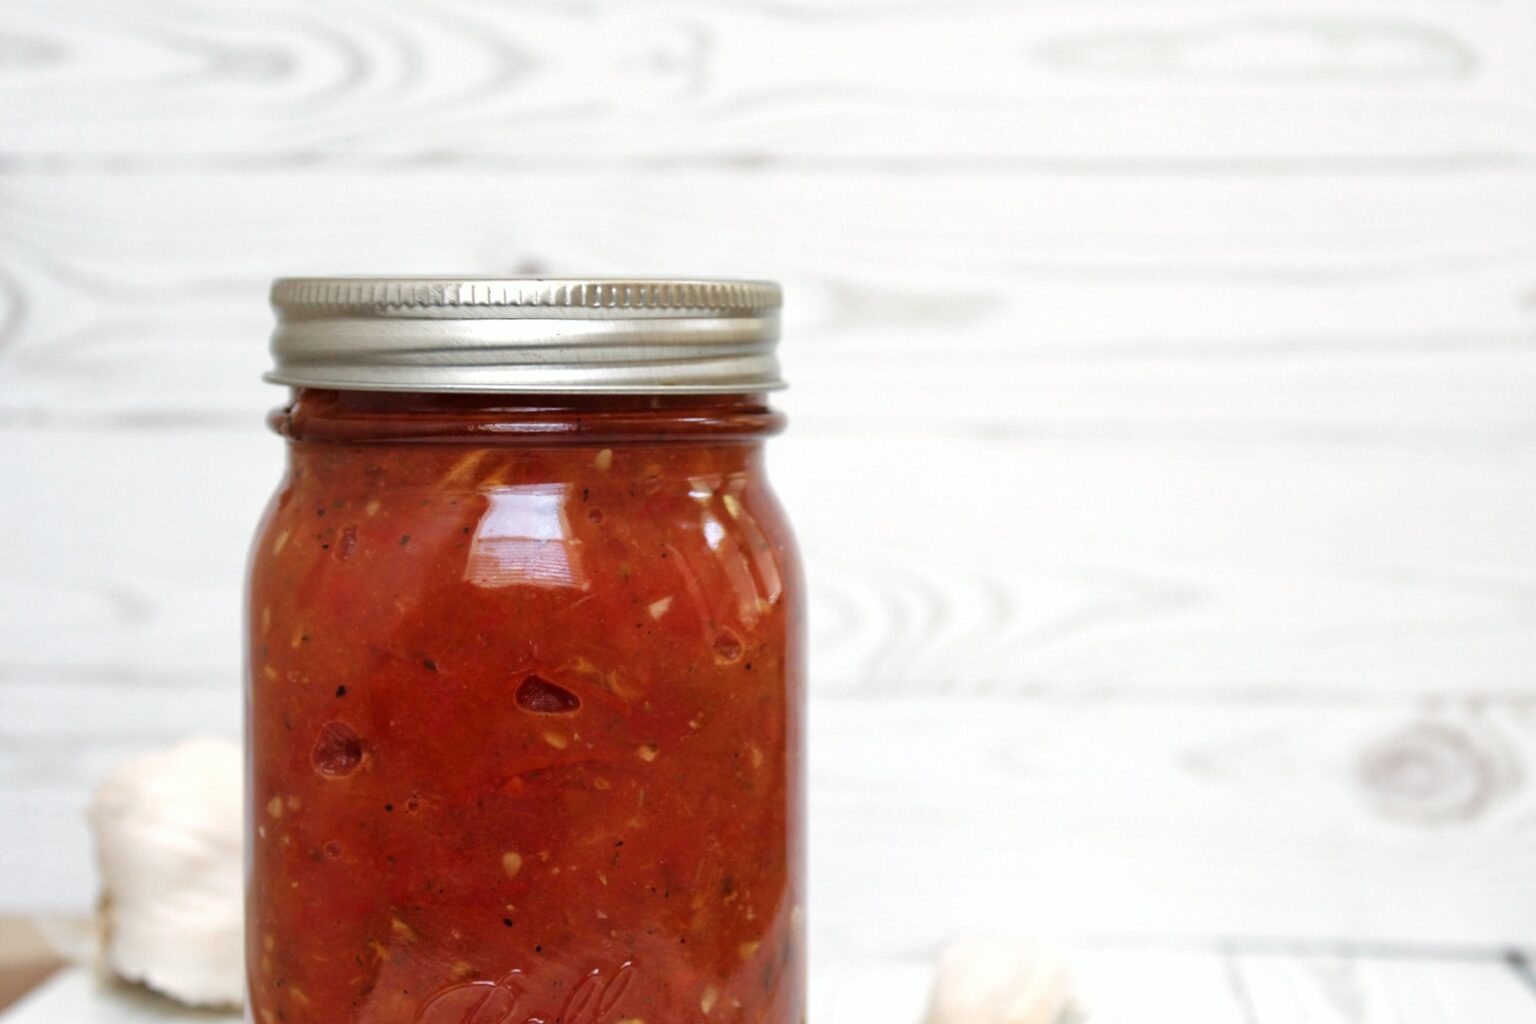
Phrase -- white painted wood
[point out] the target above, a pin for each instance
(1119, 987)
(1163, 417)
(944, 816)
(1250, 611)
(1339, 572)
(1343, 990)
(47, 855)
(77, 996)
(1268, 86)
(1138, 567)
(1334, 308)
(129, 554)
(1151, 986)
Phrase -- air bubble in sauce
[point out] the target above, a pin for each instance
(539, 694)
(338, 750)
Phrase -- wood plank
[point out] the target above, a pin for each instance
(1141, 987)
(1152, 986)
(130, 552)
(1122, 567)
(1347, 990)
(77, 996)
(26, 959)
(1336, 309)
(1293, 86)
(998, 566)
(1162, 422)
(943, 816)
(47, 857)
(940, 817)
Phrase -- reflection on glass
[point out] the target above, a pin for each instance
(714, 533)
(525, 539)
(738, 544)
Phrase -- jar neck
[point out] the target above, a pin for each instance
(381, 417)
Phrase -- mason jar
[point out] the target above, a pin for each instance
(525, 660)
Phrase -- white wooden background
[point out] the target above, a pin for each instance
(1164, 420)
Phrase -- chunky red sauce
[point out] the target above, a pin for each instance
(525, 686)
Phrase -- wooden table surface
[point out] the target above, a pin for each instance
(25, 959)
(1119, 984)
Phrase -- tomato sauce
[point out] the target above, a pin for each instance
(524, 708)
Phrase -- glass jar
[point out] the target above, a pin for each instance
(525, 668)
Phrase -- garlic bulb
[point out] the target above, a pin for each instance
(998, 981)
(168, 829)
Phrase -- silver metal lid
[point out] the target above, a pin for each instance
(565, 335)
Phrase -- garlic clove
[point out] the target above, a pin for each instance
(999, 981)
(168, 827)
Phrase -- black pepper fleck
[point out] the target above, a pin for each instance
(389, 807)
(429, 665)
(507, 921)
(405, 539)
(341, 691)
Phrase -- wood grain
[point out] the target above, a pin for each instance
(935, 817)
(1115, 567)
(1347, 990)
(1150, 721)
(1271, 87)
(1337, 309)
(1162, 423)
(1145, 986)
(1166, 818)
(1002, 566)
